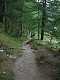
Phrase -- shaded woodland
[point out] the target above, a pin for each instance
(35, 23)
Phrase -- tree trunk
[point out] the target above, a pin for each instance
(2, 10)
(5, 15)
(43, 19)
(21, 26)
(38, 20)
(38, 30)
(6, 27)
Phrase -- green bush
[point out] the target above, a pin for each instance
(7, 75)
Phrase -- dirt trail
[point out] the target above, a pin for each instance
(25, 67)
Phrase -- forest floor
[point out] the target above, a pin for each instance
(26, 68)
(31, 63)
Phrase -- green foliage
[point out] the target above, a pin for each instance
(29, 18)
(7, 75)
(9, 41)
(57, 71)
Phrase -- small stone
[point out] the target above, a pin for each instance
(2, 50)
(13, 57)
(4, 72)
(7, 55)
(41, 62)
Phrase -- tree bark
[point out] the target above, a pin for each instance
(38, 21)
(5, 16)
(2, 10)
(21, 26)
(43, 19)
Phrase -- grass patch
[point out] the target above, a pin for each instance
(36, 44)
(11, 45)
(9, 75)
(9, 41)
(6, 65)
(58, 72)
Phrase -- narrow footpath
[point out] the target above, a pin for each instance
(25, 67)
